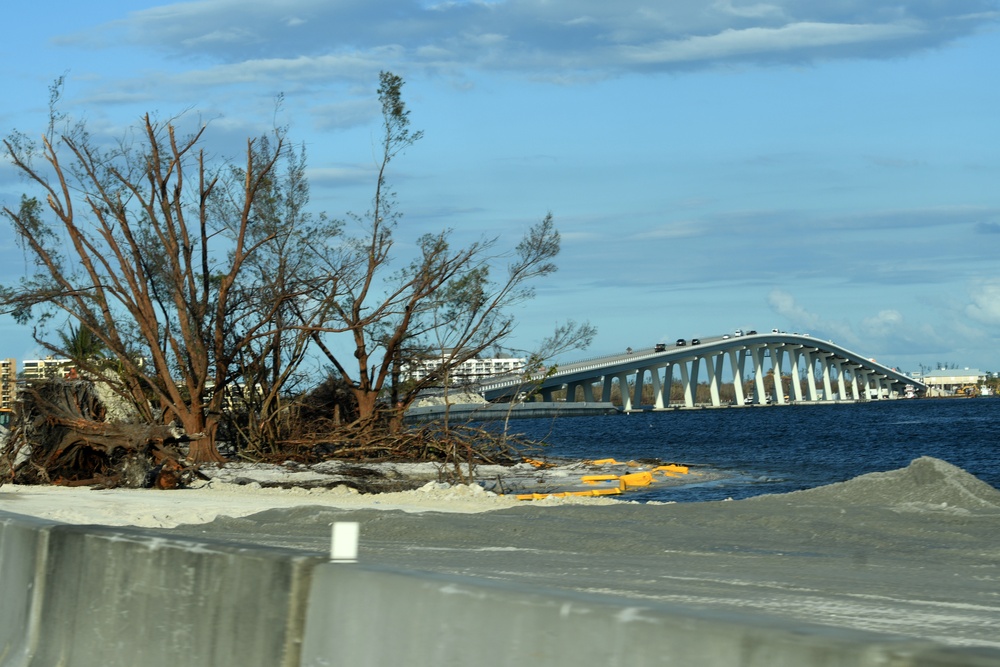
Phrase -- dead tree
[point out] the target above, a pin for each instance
(148, 246)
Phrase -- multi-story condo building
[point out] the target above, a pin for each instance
(470, 370)
(39, 369)
(8, 383)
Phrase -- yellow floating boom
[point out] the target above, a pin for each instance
(592, 479)
(564, 494)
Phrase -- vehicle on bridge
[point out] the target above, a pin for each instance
(660, 347)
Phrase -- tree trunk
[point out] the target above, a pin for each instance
(202, 448)
(367, 401)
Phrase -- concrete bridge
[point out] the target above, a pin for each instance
(829, 373)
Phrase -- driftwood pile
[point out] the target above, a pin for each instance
(59, 435)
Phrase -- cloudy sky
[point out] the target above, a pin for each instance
(816, 166)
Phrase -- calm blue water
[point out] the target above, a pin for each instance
(785, 448)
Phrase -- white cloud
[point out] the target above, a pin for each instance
(753, 11)
(985, 306)
(757, 41)
(886, 323)
(673, 230)
(784, 305)
(550, 36)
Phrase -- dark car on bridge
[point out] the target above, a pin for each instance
(660, 347)
(681, 342)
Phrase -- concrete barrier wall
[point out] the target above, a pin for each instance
(371, 617)
(22, 548)
(82, 596)
(97, 596)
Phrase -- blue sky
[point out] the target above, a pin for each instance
(829, 168)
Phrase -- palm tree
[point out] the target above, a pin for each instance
(81, 345)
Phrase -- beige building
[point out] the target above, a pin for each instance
(8, 383)
(947, 381)
(39, 369)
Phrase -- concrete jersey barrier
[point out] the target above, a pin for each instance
(83, 596)
(92, 596)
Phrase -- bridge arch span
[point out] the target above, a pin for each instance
(819, 370)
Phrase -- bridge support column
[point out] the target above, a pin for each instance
(625, 393)
(809, 363)
(777, 353)
(689, 379)
(827, 387)
(841, 384)
(659, 401)
(737, 367)
(640, 385)
(606, 388)
(714, 364)
(793, 358)
(588, 391)
(640, 381)
(863, 383)
(756, 353)
(571, 391)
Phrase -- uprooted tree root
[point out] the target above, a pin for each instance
(59, 436)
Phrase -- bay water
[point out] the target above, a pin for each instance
(778, 449)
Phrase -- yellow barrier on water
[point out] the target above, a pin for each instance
(635, 479)
(564, 494)
(593, 479)
(672, 467)
(671, 470)
(601, 462)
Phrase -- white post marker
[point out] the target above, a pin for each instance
(344, 542)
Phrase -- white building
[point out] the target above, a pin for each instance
(468, 371)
